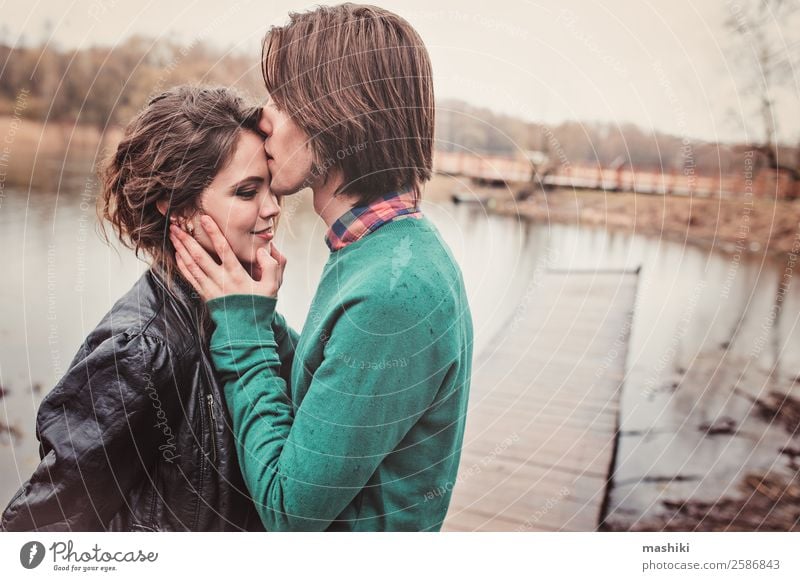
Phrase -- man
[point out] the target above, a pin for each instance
(366, 435)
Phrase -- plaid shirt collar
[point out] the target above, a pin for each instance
(362, 220)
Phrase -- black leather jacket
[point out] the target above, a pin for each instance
(136, 436)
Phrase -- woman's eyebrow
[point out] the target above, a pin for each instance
(249, 180)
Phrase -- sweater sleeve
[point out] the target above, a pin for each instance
(304, 468)
(286, 339)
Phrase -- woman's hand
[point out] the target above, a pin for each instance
(212, 280)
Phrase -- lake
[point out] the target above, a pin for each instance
(707, 327)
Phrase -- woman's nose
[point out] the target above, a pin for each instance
(270, 207)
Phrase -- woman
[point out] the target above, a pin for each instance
(136, 436)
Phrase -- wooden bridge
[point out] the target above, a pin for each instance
(495, 169)
(544, 403)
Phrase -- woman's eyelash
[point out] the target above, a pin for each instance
(248, 193)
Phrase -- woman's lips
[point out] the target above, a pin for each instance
(264, 235)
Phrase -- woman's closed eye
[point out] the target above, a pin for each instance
(246, 193)
(248, 188)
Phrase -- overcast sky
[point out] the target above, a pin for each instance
(662, 65)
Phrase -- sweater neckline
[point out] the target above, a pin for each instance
(424, 223)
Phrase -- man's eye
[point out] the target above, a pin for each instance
(247, 194)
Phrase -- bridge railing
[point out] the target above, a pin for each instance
(493, 168)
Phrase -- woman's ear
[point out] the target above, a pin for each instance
(183, 223)
(163, 206)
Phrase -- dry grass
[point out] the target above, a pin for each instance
(745, 225)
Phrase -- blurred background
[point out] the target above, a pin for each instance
(576, 134)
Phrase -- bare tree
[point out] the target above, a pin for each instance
(760, 29)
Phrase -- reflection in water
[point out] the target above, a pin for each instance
(704, 350)
(707, 327)
(9, 434)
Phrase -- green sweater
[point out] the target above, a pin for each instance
(366, 435)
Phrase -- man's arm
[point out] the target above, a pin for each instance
(303, 470)
(286, 339)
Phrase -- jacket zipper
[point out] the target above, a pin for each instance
(212, 426)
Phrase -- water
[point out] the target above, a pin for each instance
(59, 279)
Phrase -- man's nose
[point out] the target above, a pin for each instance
(264, 123)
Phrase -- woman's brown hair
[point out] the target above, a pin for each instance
(170, 151)
(357, 79)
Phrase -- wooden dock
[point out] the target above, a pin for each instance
(543, 417)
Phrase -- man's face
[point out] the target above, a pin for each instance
(289, 155)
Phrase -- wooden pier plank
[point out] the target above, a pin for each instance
(543, 413)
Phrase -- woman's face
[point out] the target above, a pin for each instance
(239, 200)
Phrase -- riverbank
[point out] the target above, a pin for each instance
(43, 157)
(746, 225)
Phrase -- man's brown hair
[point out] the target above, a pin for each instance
(357, 79)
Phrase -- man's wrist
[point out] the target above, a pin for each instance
(243, 317)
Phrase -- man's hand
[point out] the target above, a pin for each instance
(212, 280)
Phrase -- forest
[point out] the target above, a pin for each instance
(103, 87)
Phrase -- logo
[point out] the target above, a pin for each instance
(401, 256)
(31, 554)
